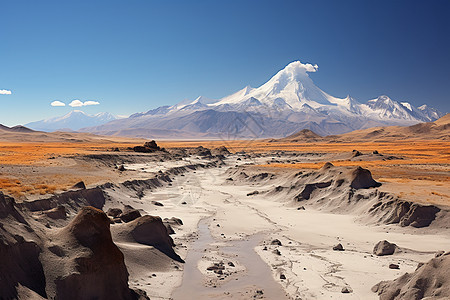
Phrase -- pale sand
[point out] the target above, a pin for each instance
(312, 269)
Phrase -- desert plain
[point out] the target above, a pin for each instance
(226, 219)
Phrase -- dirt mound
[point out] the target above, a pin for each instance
(56, 213)
(73, 200)
(362, 179)
(327, 166)
(304, 135)
(8, 208)
(79, 185)
(148, 230)
(405, 213)
(220, 152)
(19, 253)
(200, 151)
(340, 190)
(149, 147)
(430, 281)
(94, 265)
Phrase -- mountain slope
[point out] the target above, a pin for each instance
(74, 120)
(18, 128)
(285, 104)
(437, 130)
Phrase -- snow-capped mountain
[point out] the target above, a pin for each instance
(74, 120)
(430, 113)
(287, 103)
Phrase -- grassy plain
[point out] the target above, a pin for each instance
(423, 163)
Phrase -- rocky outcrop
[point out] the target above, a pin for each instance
(340, 190)
(362, 179)
(72, 199)
(79, 261)
(79, 185)
(430, 281)
(129, 214)
(94, 266)
(200, 151)
(58, 212)
(149, 147)
(220, 151)
(114, 212)
(148, 230)
(305, 194)
(19, 253)
(19, 264)
(8, 208)
(404, 213)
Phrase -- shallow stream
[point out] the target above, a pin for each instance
(257, 276)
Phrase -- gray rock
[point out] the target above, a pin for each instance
(384, 248)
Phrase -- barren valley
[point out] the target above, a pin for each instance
(259, 219)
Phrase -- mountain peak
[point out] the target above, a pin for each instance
(76, 111)
(73, 120)
(287, 102)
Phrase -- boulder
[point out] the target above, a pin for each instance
(276, 242)
(129, 214)
(346, 290)
(394, 266)
(384, 248)
(338, 247)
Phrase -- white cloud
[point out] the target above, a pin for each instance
(78, 103)
(57, 103)
(5, 92)
(297, 65)
(309, 67)
(91, 103)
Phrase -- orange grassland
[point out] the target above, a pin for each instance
(19, 162)
(422, 160)
(422, 175)
(38, 153)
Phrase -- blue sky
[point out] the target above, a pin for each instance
(131, 56)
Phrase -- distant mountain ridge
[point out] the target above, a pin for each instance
(437, 130)
(17, 128)
(287, 103)
(74, 120)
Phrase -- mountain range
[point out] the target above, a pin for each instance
(72, 121)
(436, 130)
(285, 104)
